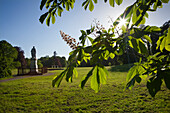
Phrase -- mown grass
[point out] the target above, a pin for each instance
(36, 94)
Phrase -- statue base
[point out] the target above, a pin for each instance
(34, 67)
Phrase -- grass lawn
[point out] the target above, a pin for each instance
(36, 94)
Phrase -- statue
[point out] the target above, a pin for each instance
(33, 52)
(55, 53)
(33, 65)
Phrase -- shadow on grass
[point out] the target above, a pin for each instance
(121, 68)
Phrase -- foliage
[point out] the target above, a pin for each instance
(20, 57)
(35, 94)
(49, 61)
(153, 64)
(28, 62)
(40, 65)
(7, 55)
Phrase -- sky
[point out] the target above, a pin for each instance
(20, 26)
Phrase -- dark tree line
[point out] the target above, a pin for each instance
(50, 61)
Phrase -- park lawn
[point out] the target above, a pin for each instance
(36, 94)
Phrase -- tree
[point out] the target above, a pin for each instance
(40, 65)
(155, 65)
(7, 55)
(28, 62)
(21, 57)
(49, 61)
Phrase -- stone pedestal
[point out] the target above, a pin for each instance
(33, 66)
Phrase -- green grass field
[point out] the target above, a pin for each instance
(36, 94)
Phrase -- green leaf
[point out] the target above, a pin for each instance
(91, 6)
(105, 70)
(60, 10)
(130, 84)
(91, 39)
(48, 3)
(146, 15)
(75, 72)
(86, 4)
(162, 45)
(72, 5)
(71, 52)
(154, 85)
(48, 19)
(155, 29)
(72, 55)
(123, 28)
(131, 73)
(95, 80)
(119, 52)
(88, 49)
(143, 48)
(92, 28)
(111, 2)
(42, 4)
(167, 43)
(147, 38)
(67, 6)
(83, 32)
(95, 1)
(166, 76)
(104, 31)
(134, 43)
(85, 78)
(134, 17)
(112, 55)
(165, 1)
(88, 31)
(102, 75)
(80, 55)
(143, 2)
(42, 18)
(142, 21)
(53, 19)
(159, 41)
(69, 74)
(138, 79)
(119, 2)
(138, 33)
(106, 55)
(57, 79)
(86, 57)
(128, 12)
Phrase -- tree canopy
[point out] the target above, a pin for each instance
(151, 44)
(7, 55)
(20, 57)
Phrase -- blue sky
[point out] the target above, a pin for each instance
(20, 26)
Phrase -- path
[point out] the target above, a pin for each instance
(26, 76)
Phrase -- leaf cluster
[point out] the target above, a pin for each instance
(55, 7)
(152, 65)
